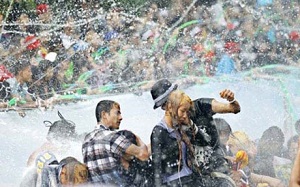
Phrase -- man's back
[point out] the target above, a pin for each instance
(102, 150)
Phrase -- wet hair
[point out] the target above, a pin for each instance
(76, 172)
(61, 130)
(241, 140)
(176, 99)
(273, 133)
(67, 160)
(271, 138)
(104, 106)
(222, 125)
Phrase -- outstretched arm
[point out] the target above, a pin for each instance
(232, 107)
(295, 175)
(273, 182)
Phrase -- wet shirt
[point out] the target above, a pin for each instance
(208, 152)
(165, 154)
(102, 150)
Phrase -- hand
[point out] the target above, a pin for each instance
(236, 177)
(230, 158)
(227, 94)
(125, 162)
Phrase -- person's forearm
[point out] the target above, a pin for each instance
(3, 105)
(222, 108)
(144, 154)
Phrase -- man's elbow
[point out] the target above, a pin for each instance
(235, 108)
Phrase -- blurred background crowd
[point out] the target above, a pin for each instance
(90, 47)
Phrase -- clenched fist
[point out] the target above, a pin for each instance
(227, 94)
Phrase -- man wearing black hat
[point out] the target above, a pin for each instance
(205, 136)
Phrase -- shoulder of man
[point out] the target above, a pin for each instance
(44, 159)
(97, 134)
(203, 106)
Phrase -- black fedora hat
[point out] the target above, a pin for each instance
(160, 92)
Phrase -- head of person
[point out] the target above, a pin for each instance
(271, 142)
(292, 146)
(72, 172)
(108, 113)
(178, 106)
(241, 141)
(160, 92)
(224, 130)
(22, 71)
(61, 130)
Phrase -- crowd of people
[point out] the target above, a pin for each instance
(90, 50)
(188, 147)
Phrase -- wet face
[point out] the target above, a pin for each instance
(224, 137)
(79, 177)
(114, 117)
(233, 148)
(27, 74)
(64, 177)
(183, 113)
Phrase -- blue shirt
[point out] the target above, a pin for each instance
(225, 65)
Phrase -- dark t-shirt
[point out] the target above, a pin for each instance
(208, 152)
